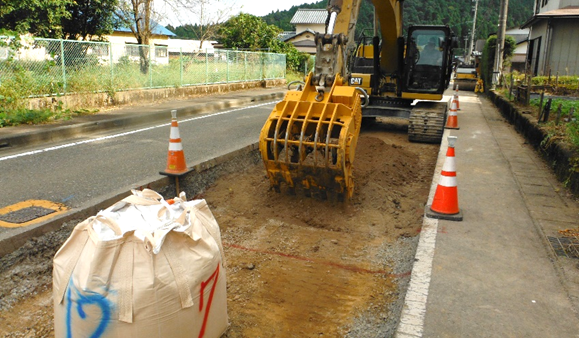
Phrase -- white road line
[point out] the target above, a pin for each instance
(72, 144)
(412, 319)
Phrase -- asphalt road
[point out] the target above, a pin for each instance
(76, 171)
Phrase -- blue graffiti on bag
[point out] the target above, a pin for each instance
(89, 299)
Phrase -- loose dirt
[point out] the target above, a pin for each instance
(296, 266)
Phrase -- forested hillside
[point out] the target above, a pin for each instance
(455, 13)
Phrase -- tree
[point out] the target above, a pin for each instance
(137, 15)
(89, 19)
(248, 32)
(141, 18)
(207, 15)
(42, 18)
(488, 56)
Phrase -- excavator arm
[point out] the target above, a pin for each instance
(334, 46)
(309, 140)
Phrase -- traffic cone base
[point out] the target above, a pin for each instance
(433, 214)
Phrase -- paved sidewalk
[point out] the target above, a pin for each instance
(494, 274)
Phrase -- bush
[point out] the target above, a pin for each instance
(488, 57)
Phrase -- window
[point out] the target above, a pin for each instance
(100, 49)
(426, 60)
(132, 49)
(533, 55)
(160, 51)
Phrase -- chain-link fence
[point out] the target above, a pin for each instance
(56, 67)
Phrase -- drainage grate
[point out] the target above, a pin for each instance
(565, 246)
(26, 214)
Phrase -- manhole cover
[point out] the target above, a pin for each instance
(565, 246)
(26, 214)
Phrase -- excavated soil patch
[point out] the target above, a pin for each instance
(296, 266)
(302, 267)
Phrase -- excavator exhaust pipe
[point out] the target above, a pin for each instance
(309, 144)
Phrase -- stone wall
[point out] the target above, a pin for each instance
(563, 160)
(100, 100)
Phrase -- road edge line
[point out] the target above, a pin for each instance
(411, 324)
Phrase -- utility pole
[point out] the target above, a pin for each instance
(465, 48)
(500, 42)
(472, 33)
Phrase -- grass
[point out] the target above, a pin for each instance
(568, 128)
(19, 116)
(38, 78)
(22, 79)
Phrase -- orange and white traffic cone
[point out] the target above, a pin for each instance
(176, 158)
(452, 120)
(456, 98)
(445, 201)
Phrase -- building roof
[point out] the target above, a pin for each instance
(309, 16)
(519, 38)
(519, 34)
(283, 36)
(158, 29)
(287, 37)
(304, 43)
(569, 12)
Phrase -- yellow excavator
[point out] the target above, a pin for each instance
(309, 140)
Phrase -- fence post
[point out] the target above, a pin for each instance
(180, 65)
(111, 65)
(559, 111)
(511, 87)
(245, 67)
(541, 102)
(227, 62)
(262, 66)
(207, 66)
(150, 66)
(63, 66)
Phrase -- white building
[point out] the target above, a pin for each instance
(553, 41)
(308, 22)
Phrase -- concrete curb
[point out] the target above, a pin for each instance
(64, 132)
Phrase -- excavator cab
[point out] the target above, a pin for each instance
(428, 61)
